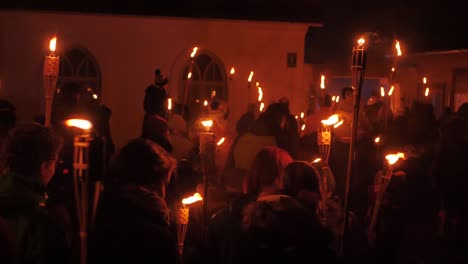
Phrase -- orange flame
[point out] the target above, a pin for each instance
(194, 52)
(207, 123)
(260, 93)
(361, 41)
(303, 127)
(393, 69)
(232, 71)
(393, 158)
(221, 141)
(338, 124)
(322, 82)
(426, 93)
(169, 103)
(302, 114)
(262, 105)
(192, 199)
(377, 140)
(332, 120)
(189, 75)
(53, 44)
(205, 103)
(317, 160)
(79, 123)
(424, 80)
(257, 84)
(382, 91)
(250, 76)
(398, 49)
(391, 90)
(333, 98)
(337, 99)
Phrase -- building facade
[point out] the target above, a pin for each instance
(116, 57)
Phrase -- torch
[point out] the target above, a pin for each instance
(207, 158)
(80, 177)
(182, 219)
(51, 70)
(358, 67)
(324, 143)
(381, 185)
(249, 84)
(392, 76)
(189, 77)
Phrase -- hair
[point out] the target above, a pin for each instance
(141, 162)
(277, 229)
(267, 167)
(300, 175)
(157, 72)
(345, 90)
(27, 147)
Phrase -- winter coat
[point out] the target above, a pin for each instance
(37, 238)
(132, 227)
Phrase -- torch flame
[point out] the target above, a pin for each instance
(262, 105)
(332, 120)
(338, 124)
(207, 123)
(192, 199)
(257, 84)
(391, 90)
(303, 127)
(424, 80)
(221, 141)
(333, 98)
(426, 93)
(317, 160)
(205, 103)
(322, 82)
(296, 117)
(302, 114)
(169, 104)
(393, 69)
(398, 49)
(393, 158)
(337, 99)
(250, 76)
(194, 52)
(260, 93)
(53, 44)
(382, 91)
(189, 75)
(361, 41)
(95, 96)
(377, 140)
(232, 71)
(79, 123)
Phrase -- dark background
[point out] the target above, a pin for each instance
(419, 25)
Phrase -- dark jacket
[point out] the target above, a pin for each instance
(155, 101)
(132, 227)
(36, 236)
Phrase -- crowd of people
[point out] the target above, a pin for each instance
(266, 202)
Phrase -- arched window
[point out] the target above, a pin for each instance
(79, 66)
(208, 81)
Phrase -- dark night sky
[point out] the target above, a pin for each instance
(420, 25)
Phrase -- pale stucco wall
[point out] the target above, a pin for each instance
(129, 48)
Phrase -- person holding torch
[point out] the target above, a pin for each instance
(132, 221)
